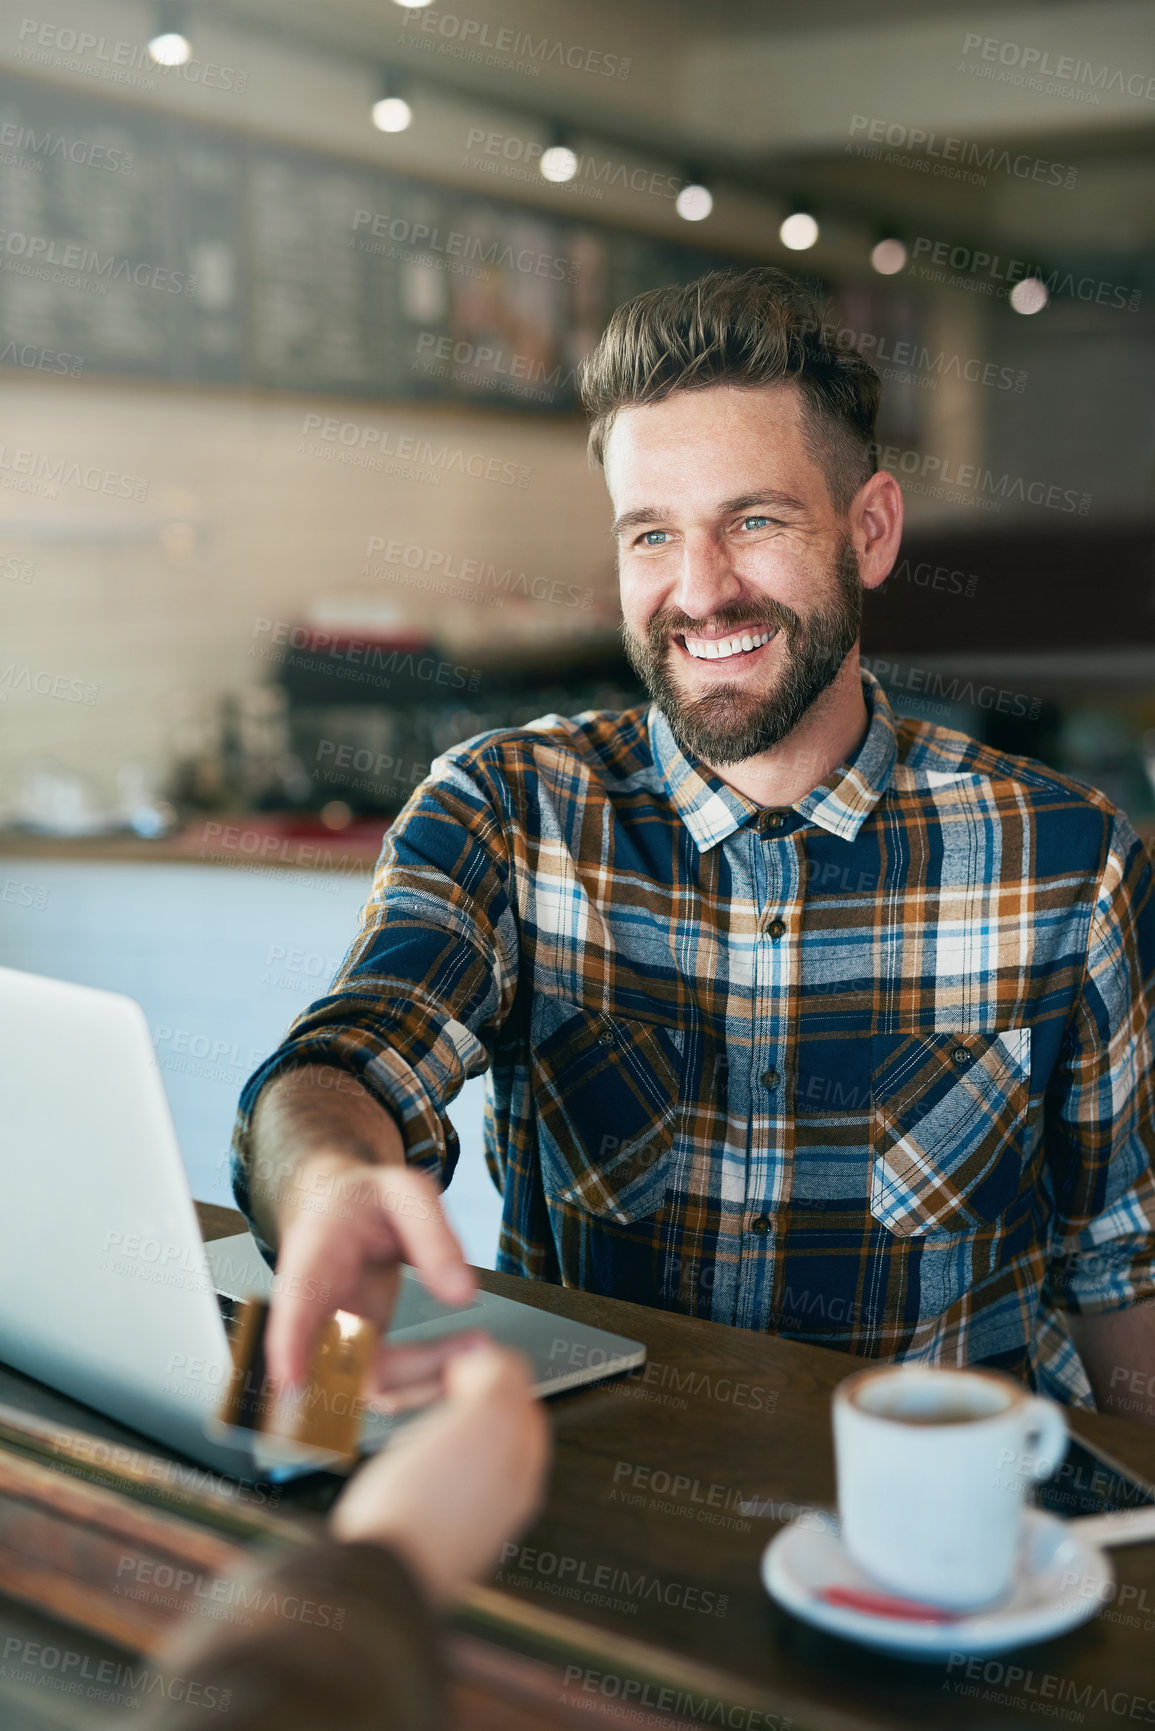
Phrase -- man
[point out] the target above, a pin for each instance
(796, 1015)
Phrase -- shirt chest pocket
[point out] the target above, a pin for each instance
(948, 1115)
(607, 1091)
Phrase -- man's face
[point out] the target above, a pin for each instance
(740, 588)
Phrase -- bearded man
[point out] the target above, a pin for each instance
(795, 1014)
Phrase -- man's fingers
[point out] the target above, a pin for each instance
(318, 1274)
(411, 1203)
(355, 1224)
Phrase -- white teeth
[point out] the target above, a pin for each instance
(722, 648)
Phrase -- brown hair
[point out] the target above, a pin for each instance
(754, 327)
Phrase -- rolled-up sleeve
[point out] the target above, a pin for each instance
(432, 973)
(1100, 1122)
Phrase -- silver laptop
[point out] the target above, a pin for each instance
(106, 1290)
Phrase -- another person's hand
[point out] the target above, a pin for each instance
(454, 1484)
(346, 1228)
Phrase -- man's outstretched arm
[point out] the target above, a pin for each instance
(342, 1143)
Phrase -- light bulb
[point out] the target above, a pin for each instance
(170, 48)
(1030, 295)
(558, 163)
(694, 203)
(888, 257)
(392, 114)
(798, 231)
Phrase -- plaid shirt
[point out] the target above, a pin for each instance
(873, 1070)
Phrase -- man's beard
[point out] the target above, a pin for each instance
(730, 723)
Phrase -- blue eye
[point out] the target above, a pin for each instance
(761, 521)
(648, 540)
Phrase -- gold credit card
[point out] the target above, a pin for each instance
(320, 1425)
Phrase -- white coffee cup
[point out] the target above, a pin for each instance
(933, 1468)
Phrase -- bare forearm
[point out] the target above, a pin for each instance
(1118, 1349)
(314, 1110)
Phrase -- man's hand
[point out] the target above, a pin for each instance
(331, 1190)
(453, 1485)
(346, 1228)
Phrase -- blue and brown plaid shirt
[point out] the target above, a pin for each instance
(873, 1070)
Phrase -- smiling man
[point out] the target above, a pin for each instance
(796, 1015)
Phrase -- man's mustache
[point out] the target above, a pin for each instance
(674, 623)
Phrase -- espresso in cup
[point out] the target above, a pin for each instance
(933, 1468)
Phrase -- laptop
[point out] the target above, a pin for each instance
(107, 1290)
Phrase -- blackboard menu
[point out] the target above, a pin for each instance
(133, 244)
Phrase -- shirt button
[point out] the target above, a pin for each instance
(606, 1037)
(771, 1078)
(960, 1055)
(776, 928)
(761, 1225)
(771, 820)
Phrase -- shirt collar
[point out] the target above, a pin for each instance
(711, 811)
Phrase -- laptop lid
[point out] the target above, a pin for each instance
(105, 1293)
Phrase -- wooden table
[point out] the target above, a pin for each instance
(732, 1416)
(636, 1595)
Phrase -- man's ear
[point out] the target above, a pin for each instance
(876, 527)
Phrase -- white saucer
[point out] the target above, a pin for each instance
(807, 1556)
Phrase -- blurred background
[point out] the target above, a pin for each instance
(293, 485)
